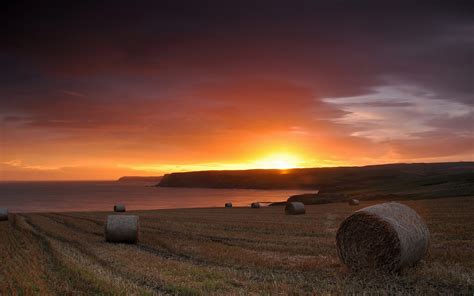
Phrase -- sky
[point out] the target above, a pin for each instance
(101, 89)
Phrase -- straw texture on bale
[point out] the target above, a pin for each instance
(228, 205)
(122, 229)
(119, 208)
(3, 214)
(255, 205)
(387, 236)
(295, 208)
(353, 202)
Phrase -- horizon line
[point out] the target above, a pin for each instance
(271, 169)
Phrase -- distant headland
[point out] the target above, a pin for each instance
(140, 179)
(417, 180)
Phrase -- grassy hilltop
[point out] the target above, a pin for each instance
(221, 251)
(393, 181)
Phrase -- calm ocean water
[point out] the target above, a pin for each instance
(102, 195)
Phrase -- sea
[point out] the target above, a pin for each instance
(75, 196)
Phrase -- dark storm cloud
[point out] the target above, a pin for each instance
(343, 48)
(239, 105)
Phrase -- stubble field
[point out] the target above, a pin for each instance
(236, 251)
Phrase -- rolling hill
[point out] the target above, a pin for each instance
(418, 180)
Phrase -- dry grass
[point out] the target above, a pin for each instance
(222, 251)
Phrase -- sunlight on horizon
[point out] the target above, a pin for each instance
(279, 161)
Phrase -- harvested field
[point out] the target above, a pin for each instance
(217, 251)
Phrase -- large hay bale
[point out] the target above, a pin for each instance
(3, 214)
(228, 205)
(255, 205)
(119, 208)
(353, 202)
(387, 236)
(295, 208)
(122, 229)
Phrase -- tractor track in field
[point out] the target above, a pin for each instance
(165, 253)
(168, 253)
(57, 270)
(44, 236)
(68, 224)
(95, 221)
(228, 241)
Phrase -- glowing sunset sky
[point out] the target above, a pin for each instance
(97, 91)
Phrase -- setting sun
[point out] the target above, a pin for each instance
(279, 161)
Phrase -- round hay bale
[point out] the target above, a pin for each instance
(353, 202)
(122, 229)
(295, 208)
(3, 214)
(255, 205)
(388, 236)
(119, 208)
(228, 205)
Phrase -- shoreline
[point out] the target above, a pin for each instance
(276, 204)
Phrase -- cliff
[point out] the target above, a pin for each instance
(140, 179)
(416, 180)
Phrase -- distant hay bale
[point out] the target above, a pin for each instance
(388, 236)
(3, 214)
(295, 208)
(255, 205)
(122, 229)
(353, 202)
(228, 205)
(119, 208)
